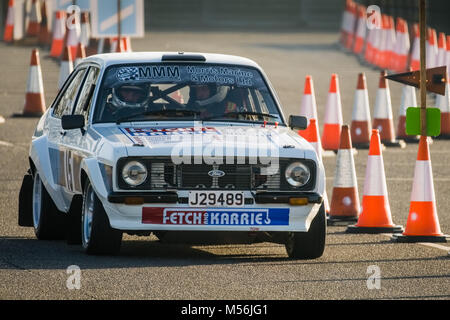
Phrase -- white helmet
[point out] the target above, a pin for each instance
(130, 95)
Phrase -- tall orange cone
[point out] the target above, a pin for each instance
(375, 214)
(431, 49)
(333, 117)
(361, 126)
(308, 107)
(59, 31)
(415, 52)
(315, 142)
(408, 100)
(361, 30)
(66, 67)
(34, 99)
(8, 34)
(442, 50)
(423, 223)
(443, 103)
(44, 37)
(383, 118)
(344, 206)
(402, 46)
(73, 31)
(34, 19)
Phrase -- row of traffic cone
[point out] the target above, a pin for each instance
(374, 215)
(361, 122)
(387, 43)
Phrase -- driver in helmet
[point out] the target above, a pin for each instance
(208, 98)
(126, 96)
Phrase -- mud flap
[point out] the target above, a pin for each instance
(26, 201)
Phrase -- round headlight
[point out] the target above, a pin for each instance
(297, 174)
(134, 173)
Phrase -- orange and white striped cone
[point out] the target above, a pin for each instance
(85, 29)
(380, 58)
(66, 67)
(375, 216)
(442, 50)
(360, 127)
(73, 32)
(34, 19)
(333, 117)
(59, 31)
(8, 34)
(315, 142)
(447, 59)
(344, 206)
(423, 223)
(431, 48)
(390, 44)
(369, 45)
(347, 23)
(34, 99)
(127, 44)
(361, 30)
(408, 100)
(443, 103)
(81, 54)
(308, 107)
(415, 52)
(383, 118)
(44, 37)
(402, 47)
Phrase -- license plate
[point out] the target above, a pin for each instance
(216, 199)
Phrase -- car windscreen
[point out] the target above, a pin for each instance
(162, 92)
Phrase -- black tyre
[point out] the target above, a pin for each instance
(311, 244)
(48, 221)
(98, 238)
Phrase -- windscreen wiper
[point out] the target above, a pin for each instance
(244, 113)
(156, 112)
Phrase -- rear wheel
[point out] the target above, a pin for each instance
(96, 233)
(48, 221)
(311, 244)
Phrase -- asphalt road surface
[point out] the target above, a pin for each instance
(148, 269)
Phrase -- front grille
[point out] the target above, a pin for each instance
(166, 175)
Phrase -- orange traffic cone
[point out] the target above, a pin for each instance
(333, 117)
(361, 30)
(443, 103)
(59, 32)
(34, 19)
(308, 107)
(442, 50)
(73, 34)
(383, 118)
(390, 43)
(408, 100)
(315, 142)
(44, 37)
(66, 67)
(375, 214)
(81, 54)
(34, 99)
(118, 45)
(8, 34)
(415, 53)
(431, 49)
(345, 199)
(361, 126)
(423, 223)
(402, 46)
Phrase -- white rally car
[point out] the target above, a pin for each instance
(164, 142)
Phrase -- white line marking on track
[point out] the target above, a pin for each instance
(428, 244)
(6, 144)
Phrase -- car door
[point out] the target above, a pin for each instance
(63, 105)
(76, 143)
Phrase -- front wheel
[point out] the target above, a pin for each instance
(311, 244)
(96, 233)
(48, 221)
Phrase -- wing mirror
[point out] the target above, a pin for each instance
(73, 121)
(298, 122)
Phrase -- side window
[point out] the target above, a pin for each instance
(84, 102)
(67, 100)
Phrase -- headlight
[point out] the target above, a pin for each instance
(134, 173)
(297, 174)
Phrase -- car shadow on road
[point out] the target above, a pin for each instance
(30, 254)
